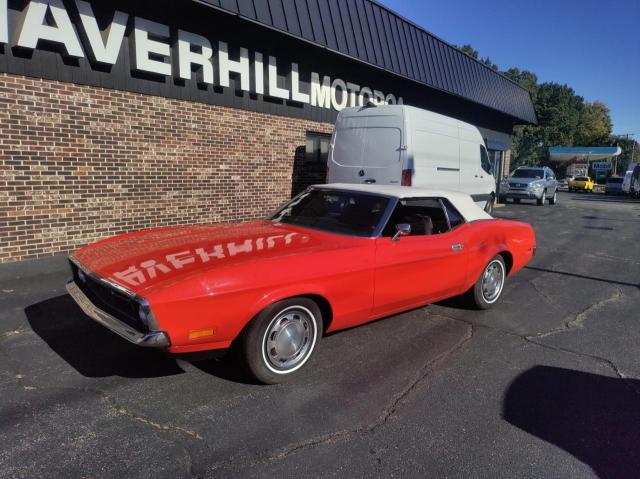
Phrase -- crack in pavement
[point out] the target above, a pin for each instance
(15, 332)
(580, 318)
(117, 408)
(424, 371)
(337, 436)
(532, 339)
(542, 294)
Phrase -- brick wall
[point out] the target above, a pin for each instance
(81, 163)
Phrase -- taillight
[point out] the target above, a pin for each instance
(406, 177)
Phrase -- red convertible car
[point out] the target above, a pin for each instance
(334, 257)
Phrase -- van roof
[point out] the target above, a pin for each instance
(463, 202)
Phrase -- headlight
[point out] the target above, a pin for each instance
(535, 186)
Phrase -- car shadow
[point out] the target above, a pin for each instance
(582, 276)
(457, 302)
(594, 418)
(605, 199)
(91, 349)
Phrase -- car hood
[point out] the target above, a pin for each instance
(142, 260)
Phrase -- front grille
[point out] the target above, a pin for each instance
(109, 299)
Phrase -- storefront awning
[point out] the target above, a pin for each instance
(583, 153)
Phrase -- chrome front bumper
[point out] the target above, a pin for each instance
(154, 339)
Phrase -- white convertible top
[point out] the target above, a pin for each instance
(463, 202)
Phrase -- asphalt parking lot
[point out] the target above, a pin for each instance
(547, 384)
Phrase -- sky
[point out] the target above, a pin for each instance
(591, 45)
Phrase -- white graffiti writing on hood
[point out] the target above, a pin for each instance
(149, 269)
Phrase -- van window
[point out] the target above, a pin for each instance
(484, 160)
(425, 216)
(370, 146)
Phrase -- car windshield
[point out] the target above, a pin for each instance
(528, 173)
(343, 212)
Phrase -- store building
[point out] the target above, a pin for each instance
(120, 115)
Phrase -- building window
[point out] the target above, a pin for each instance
(317, 147)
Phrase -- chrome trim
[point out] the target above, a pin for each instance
(386, 216)
(152, 323)
(154, 339)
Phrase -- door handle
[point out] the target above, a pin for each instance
(369, 181)
(457, 247)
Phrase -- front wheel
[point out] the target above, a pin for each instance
(542, 199)
(488, 289)
(554, 199)
(280, 340)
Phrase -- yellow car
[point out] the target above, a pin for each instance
(583, 183)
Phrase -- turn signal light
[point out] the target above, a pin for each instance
(406, 177)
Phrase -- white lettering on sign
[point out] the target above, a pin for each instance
(150, 47)
(274, 89)
(296, 94)
(320, 94)
(187, 57)
(339, 102)
(145, 47)
(4, 22)
(226, 66)
(258, 67)
(353, 93)
(104, 49)
(33, 27)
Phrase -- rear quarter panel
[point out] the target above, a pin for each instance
(488, 238)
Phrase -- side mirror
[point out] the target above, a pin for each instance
(402, 229)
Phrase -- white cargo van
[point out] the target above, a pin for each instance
(626, 182)
(403, 145)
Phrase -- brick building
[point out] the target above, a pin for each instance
(121, 115)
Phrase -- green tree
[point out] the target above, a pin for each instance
(526, 79)
(469, 50)
(564, 119)
(626, 145)
(473, 53)
(594, 125)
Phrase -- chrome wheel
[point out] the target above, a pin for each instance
(289, 340)
(492, 281)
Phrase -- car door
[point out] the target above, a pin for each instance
(424, 266)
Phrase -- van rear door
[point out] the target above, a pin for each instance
(367, 148)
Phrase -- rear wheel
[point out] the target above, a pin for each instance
(488, 289)
(280, 340)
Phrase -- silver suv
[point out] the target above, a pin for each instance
(530, 183)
